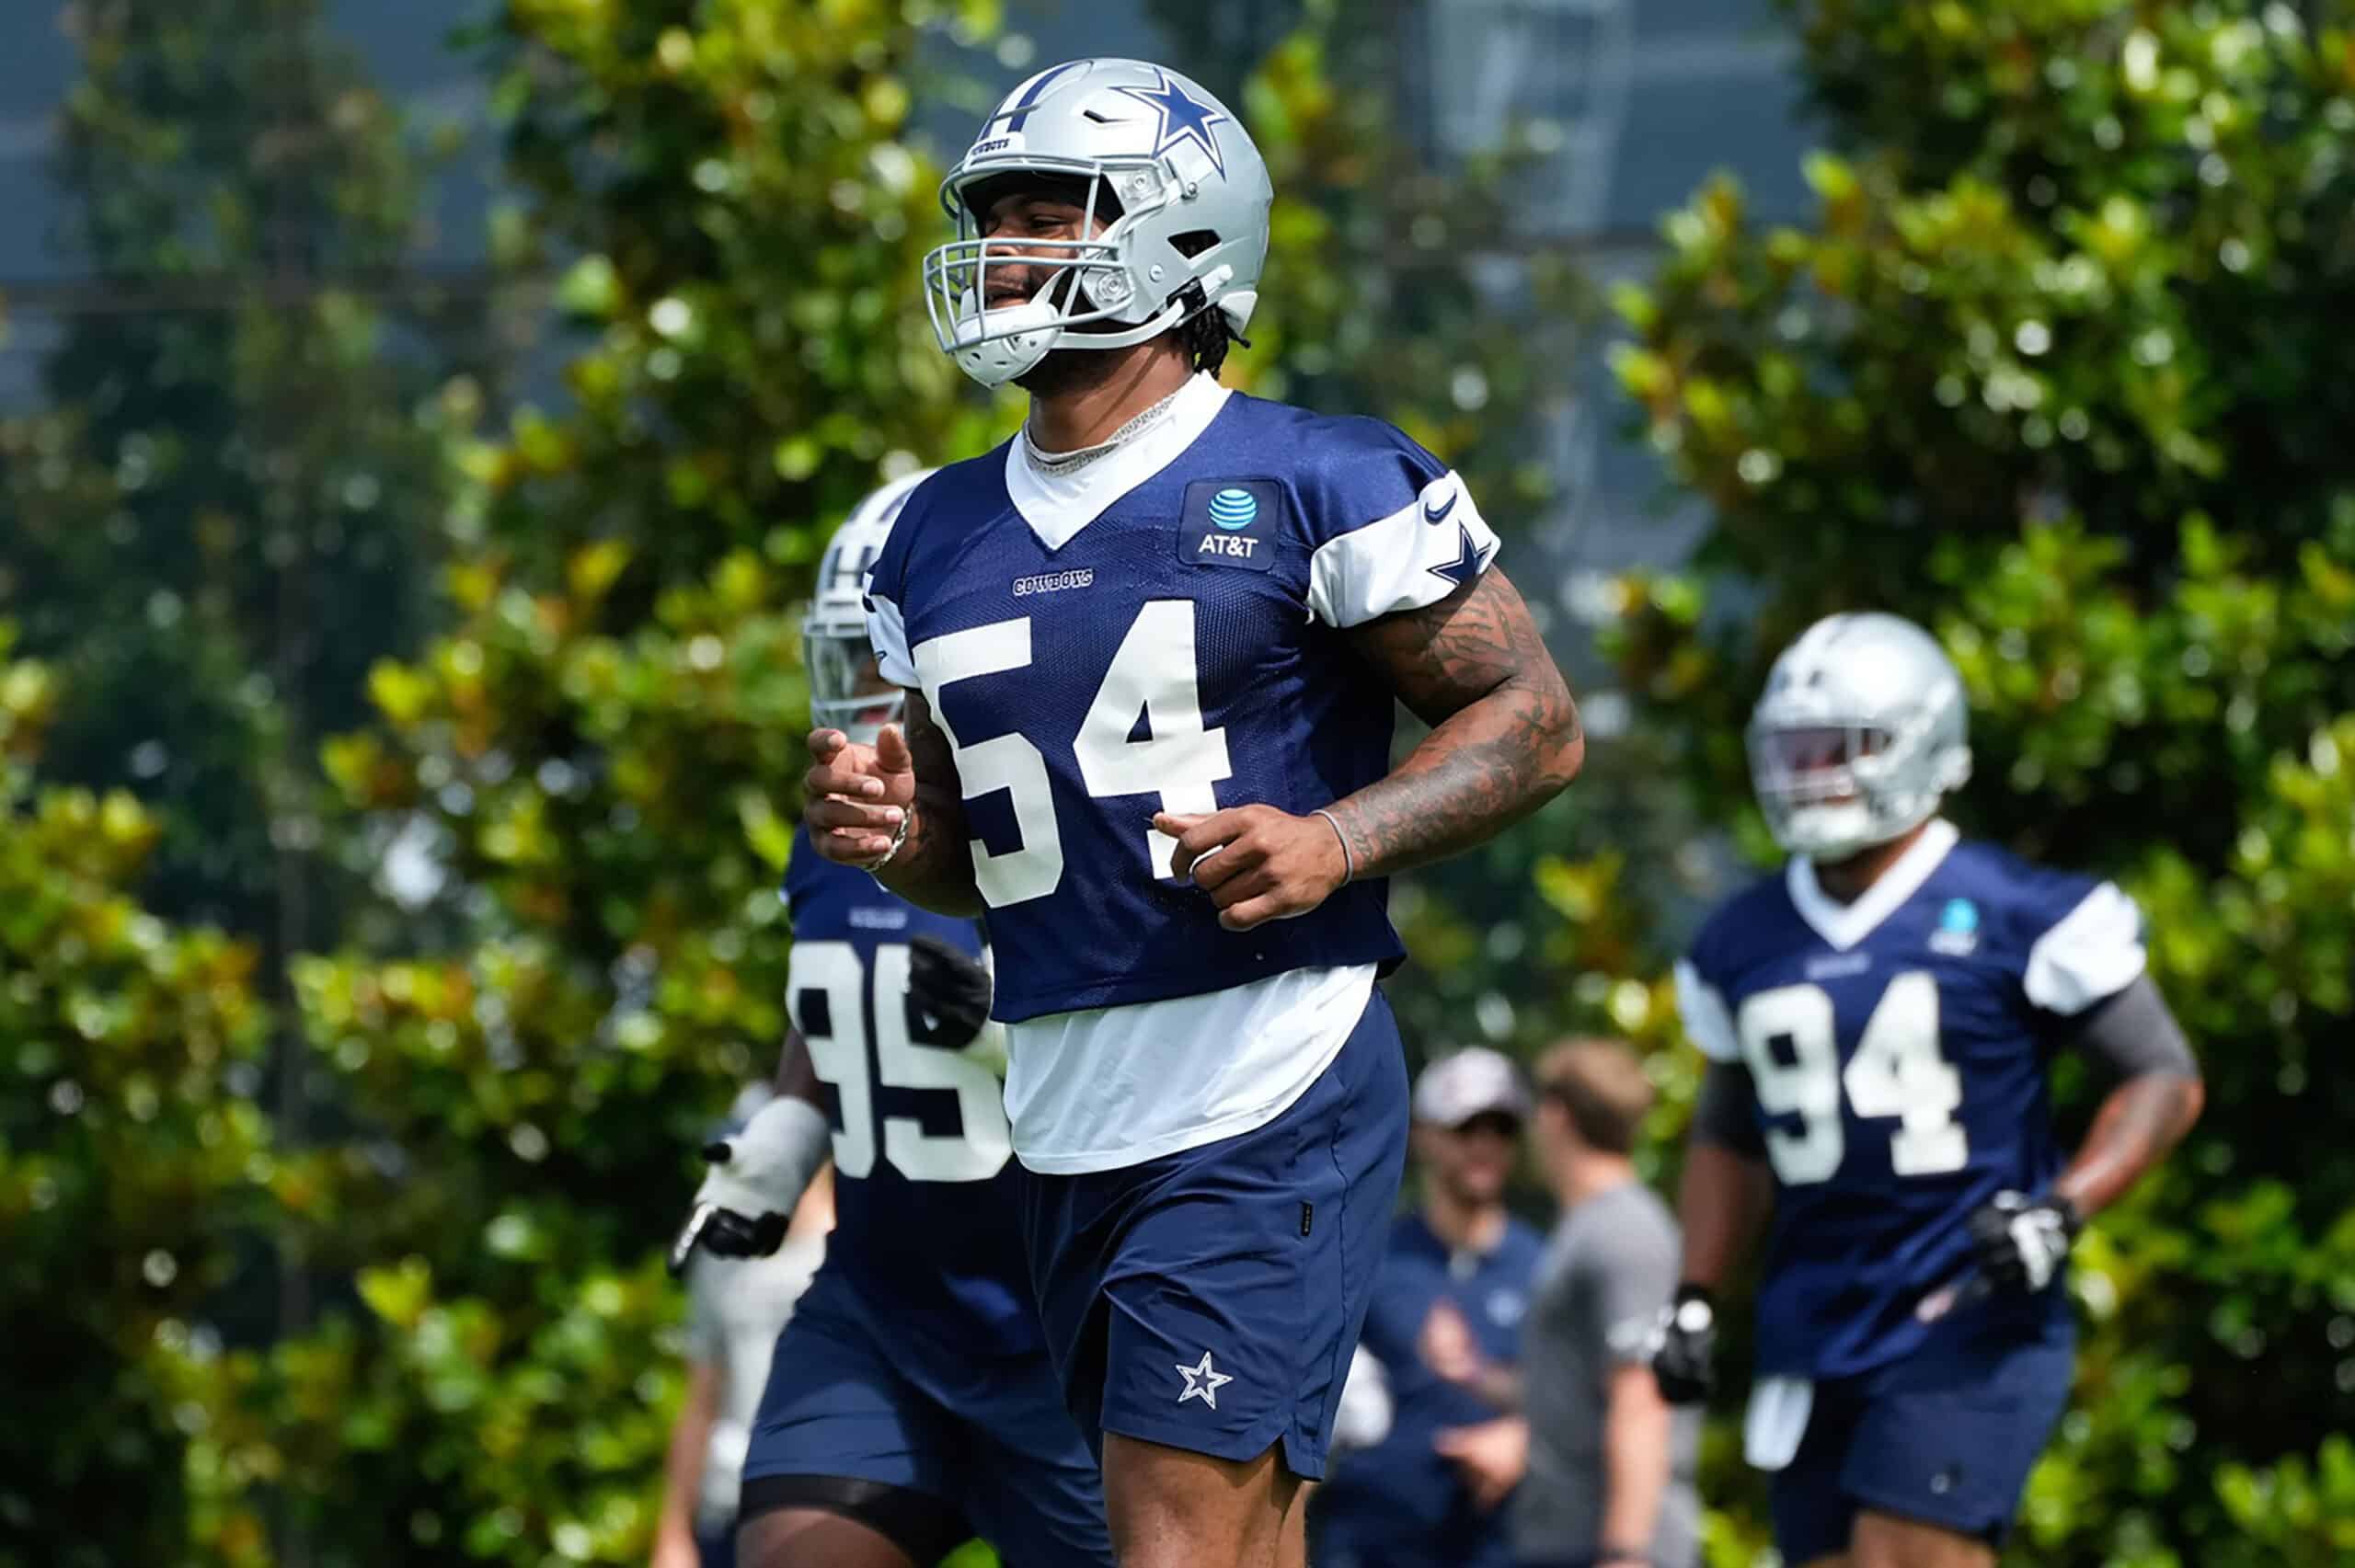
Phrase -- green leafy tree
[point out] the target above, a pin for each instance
(604, 750)
(224, 512)
(2051, 370)
(220, 517)
(130, 1175)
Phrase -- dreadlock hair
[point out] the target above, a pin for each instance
(1204, 331)
(1206, 335)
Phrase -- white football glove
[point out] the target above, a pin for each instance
(756, 1178)
(1366, 1410)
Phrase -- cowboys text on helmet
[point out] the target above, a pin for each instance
(1176, 200)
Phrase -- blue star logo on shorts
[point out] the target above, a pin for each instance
(1203, 1382)
(1183, 118)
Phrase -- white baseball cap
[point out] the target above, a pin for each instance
(1468, 1083)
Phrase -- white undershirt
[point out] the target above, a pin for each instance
(1114, 1086)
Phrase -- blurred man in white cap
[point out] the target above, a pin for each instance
(1401, 1502)
(1602, 1464)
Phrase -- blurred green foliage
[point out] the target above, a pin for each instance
(2053, 371)
(227, 509)
(603, 751)
(129, 1170)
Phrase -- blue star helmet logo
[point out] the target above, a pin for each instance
(1183, 118)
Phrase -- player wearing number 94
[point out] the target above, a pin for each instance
(910, 1402)
(1153, 648)
(1878, 1020)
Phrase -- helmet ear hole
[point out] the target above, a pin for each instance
(1193, 242)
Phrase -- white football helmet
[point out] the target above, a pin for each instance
(844, 693)
(1860, 732)
(1186, 193)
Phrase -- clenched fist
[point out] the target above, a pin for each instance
(1258, 863)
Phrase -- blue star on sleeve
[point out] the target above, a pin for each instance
(1470, 561)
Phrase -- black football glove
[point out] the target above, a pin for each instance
(756, 1178)
(1684, 1346)
(949, 994)
(2022, 1241)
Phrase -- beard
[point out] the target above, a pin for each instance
(1068, 371)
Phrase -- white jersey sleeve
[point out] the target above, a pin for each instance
(1702, 1008)
(887, 630)
(2089, 955)
(1404, 559)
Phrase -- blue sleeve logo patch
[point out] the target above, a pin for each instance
(1230, 522)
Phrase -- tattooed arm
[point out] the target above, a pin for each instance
(1504, 741)
(1504, 738)
(858, 795)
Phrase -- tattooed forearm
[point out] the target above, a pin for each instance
(1504, 738)
(2142, 1119)
(935, 866)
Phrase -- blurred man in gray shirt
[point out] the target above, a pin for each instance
(1605, 1466)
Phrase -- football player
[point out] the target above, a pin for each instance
(911, 1404)
(1878, 1020)
(1153, 646)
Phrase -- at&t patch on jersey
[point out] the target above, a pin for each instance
(1230, 522)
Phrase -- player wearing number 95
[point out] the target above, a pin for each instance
(1877, 1022)
(1153, 646)
(910, 1402)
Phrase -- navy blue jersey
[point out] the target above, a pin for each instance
(1898, 1048)
(924, 1228)
(1176, 643)
(1402, 1492)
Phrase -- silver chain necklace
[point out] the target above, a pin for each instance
(1058, 464)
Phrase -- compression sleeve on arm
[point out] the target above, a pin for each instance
(1723, 1113)
(2133, 1033)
